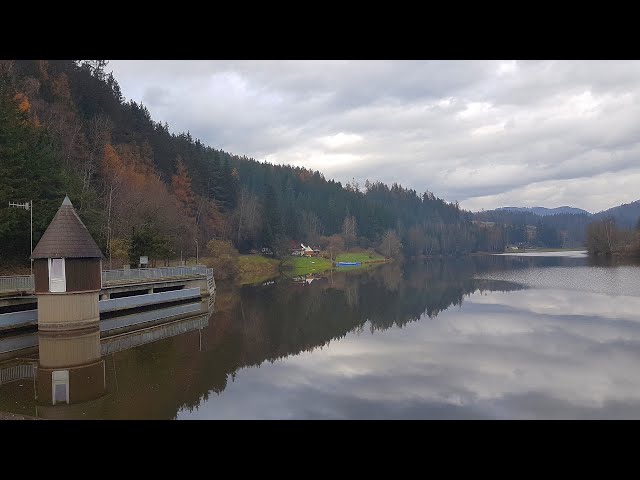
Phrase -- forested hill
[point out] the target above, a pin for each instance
(543, 211)
(66, 128)
(564, 229)
(525, 227)
(626, 215)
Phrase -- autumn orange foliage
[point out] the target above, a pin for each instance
(181, 186)
(139, 196)
(23, 102)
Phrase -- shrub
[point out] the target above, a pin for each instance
(223, 259)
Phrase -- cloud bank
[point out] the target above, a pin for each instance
(485, 133)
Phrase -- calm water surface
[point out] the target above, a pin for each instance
(507, 337)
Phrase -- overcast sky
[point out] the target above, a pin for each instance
(485, 133)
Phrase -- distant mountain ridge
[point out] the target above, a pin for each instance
(543, 211)
(626, 215)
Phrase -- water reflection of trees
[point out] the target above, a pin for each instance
(604, 261)
(257, 324)
(254, 325)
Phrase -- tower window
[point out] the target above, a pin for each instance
(57, 279)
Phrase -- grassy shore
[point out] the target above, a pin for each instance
(295, 266)
(256, 269)
(576, 249)
(363, 257)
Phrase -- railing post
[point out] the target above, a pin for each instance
(146, 273)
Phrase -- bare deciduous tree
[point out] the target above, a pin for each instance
(391, 246)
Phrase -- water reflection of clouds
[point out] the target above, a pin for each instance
(622, 280)
(561, 254)
(568, 302)
(526, 354)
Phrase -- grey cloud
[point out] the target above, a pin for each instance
(481, 132)
(155, 96)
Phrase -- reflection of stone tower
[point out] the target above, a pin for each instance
(70, 368)
(68, 273)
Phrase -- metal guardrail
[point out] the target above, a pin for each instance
(151, 273)
(17, 319)
(17, 372)
(148, 335)
(114, 304)
(211, 280)
(141, 318)
(17, 283)
(24, 283)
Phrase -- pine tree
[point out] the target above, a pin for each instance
(273, 226)
(29, 170)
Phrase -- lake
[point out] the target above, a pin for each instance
(530, 336)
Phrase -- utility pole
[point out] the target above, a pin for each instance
(109, 227)
(197, 257)
(31, 225)
(27, 206)
(109, 243)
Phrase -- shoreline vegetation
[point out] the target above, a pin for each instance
(254, 269)
(606, 239)
(533, 250)
(231, 267)
(257, 268)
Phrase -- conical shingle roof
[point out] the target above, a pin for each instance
(66, 237)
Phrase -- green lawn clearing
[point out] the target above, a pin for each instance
(295, 266)
(364, 257)
(256, 269)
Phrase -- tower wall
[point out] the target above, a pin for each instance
(82, 274)
(67, 311)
